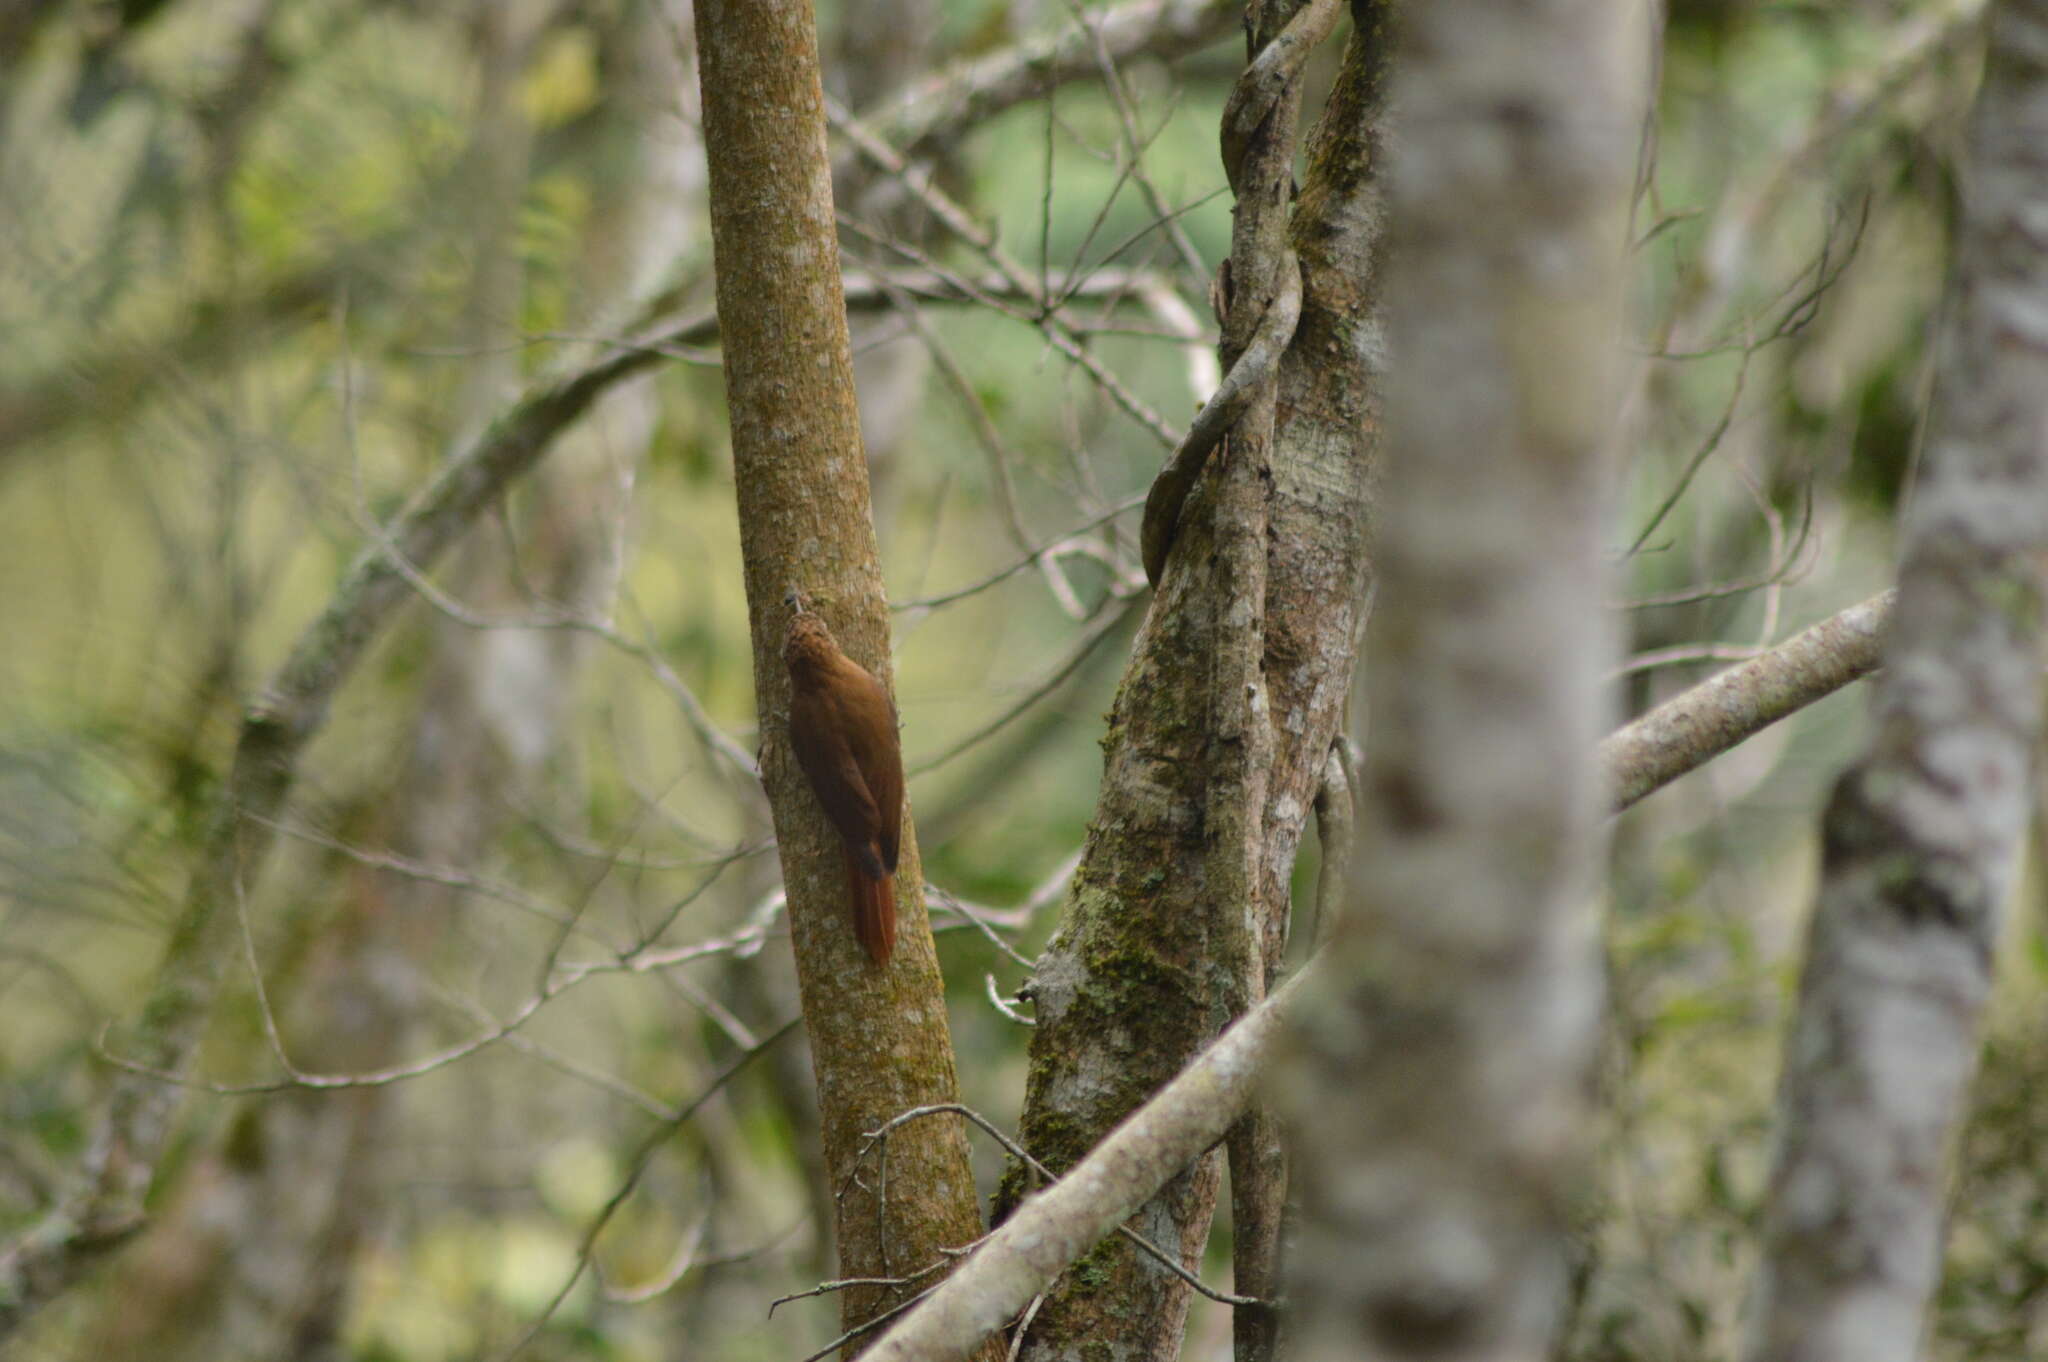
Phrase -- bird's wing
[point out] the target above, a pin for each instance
(828, 762)
(878, 752)
(887, 784)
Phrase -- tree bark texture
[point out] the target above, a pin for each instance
(1441, 1074)
(1176, 910)
(879, 1040)
(1259, 163)
(1920, 838)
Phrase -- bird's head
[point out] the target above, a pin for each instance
(808, 644)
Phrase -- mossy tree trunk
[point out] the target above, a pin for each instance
(1227, 711)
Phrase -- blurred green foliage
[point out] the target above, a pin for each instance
(241, 253)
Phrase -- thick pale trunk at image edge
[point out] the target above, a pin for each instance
(1921, 837)
(1440, 1072)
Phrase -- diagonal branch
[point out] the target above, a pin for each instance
(1067, 1218)
(1697, 725)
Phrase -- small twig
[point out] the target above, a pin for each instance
(1685, 655)
(679, 1265)
(270, 1029)
(642, 1158)
(568, 977)
(1135, 144)
(636, 1295)
(554, 1059)
(1106, 624)
(974, 918)
(685, 699)
(857, 1330)
(1146, 1246)
(1064, 545)
(1700, 455)
(917, 179)
(1024, 1327)
(946, 1259)
(1006, 1006)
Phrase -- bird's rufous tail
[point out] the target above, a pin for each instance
(874, 910)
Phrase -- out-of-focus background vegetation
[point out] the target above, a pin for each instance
(265, 263)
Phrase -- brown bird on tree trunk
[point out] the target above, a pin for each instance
(843, 730)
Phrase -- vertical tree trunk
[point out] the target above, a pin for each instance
(1441, 1071)
(878, 1035)
(1179, 905)
(1920, 838)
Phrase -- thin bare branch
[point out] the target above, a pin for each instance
(1692, 728)
(642, 1157)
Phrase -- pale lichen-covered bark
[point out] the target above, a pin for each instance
(1921, 836)
(1163, 941)
(1440, 1078)
(1695, 726)
(879, 1040)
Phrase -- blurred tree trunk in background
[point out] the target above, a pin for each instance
(1442, 1075)
(878, 46)
(1921, 839)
